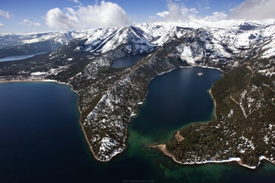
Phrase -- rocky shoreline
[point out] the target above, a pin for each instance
(162, 148)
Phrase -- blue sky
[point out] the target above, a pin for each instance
(52, 15)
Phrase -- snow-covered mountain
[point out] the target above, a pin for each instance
(104, 40)
(32, 43)
(219, 40)
(9, 40)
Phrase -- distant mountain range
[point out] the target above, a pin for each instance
(225, 39)
(109, 96)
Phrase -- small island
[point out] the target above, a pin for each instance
(200, 73)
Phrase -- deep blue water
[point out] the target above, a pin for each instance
(126, 61)
(41, 139)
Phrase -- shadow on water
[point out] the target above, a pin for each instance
(127, 61)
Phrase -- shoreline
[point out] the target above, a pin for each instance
(131, 117)
(28, 80)
(162, 148)
(215, 104)
(79, 122)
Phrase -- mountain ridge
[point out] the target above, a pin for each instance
(156, 33)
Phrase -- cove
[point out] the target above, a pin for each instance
(126, 61)
(41, 139)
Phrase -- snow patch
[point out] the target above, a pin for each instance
(230, 113)
(187, 55)
(38, 73)
(107, 143)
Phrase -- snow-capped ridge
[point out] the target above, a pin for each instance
(221, 39)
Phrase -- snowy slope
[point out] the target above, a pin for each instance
(134, 40)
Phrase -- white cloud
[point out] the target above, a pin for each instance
(5, 14)
(105, 14)
(76, 1)
(55, 18)
(177, 12)
(216, 16)
(254, 9)
(192, 11)
(29, 23)
(249, 9)
(163, 14)
(1, 25)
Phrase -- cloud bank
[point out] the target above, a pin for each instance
(105, 14)
(179, 12)
(176, 12)
(216, 16)
(57, 19)
(27, 22)
(1, 25)
(5, 14)
(249, 9)
(254, 9)
(108, 14)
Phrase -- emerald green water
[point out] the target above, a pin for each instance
(41, 140)
(175, 100)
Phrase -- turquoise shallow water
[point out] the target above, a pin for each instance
(41, 140)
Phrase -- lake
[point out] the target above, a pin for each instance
(19, 57)
(41, 139)
(127, 61)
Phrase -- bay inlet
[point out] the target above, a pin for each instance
(42, 141)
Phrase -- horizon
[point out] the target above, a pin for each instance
(195, 23)
(75, 15)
